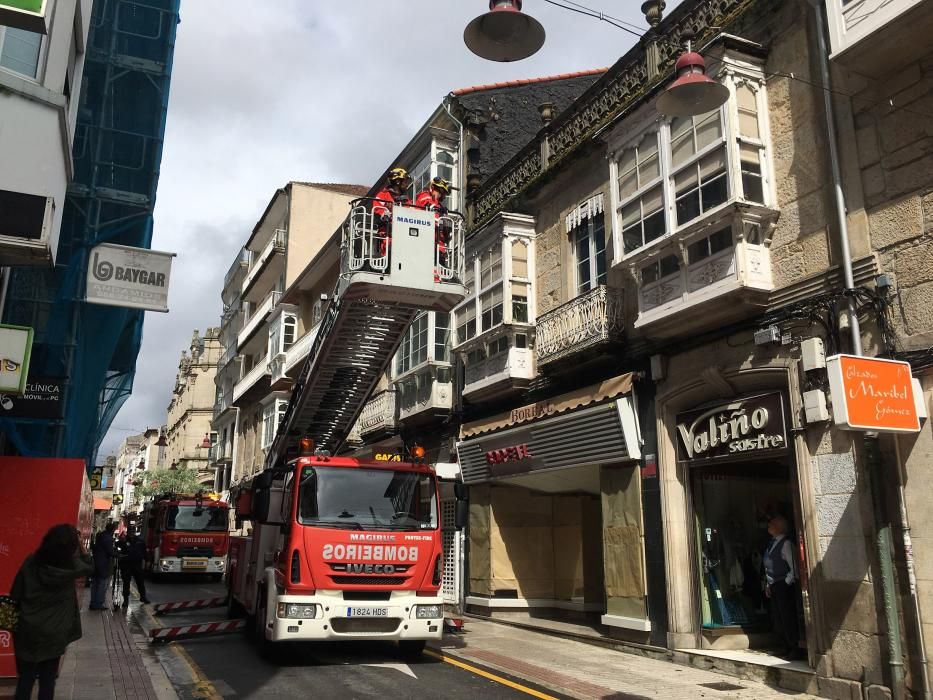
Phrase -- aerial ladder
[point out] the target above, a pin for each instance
(387, 276)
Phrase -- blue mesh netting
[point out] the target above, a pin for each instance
(117, 153)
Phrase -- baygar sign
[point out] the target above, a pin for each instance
(137, 278)
(750, 427)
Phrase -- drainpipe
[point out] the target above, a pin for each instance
(911, 575)
(883, 546)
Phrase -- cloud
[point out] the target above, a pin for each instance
(263, 93)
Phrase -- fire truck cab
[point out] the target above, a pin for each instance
(341, 549)
(186, 533)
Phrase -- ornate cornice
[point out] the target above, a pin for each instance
(625, 85)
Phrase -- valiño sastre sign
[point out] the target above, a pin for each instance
(751, 427)
(137, 278)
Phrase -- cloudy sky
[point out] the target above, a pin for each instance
(267, 92)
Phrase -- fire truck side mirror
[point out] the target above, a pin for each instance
(461, 491)
(267, 498)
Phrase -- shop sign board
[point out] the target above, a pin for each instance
(750, 427)
(41, 398)
(15, 350)
(24, 14)
(136, 278)
(870, 393)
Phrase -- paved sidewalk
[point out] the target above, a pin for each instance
(110, 662)
(589, 672)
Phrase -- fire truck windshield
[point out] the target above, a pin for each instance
(205, 518)
(370, 499)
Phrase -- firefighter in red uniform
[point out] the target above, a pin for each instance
(432, 199)
(393, 193)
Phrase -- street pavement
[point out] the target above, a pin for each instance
(490, 661)
(230, 665)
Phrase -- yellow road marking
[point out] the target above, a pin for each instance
(490, 676)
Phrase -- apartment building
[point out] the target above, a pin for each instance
(191, 408)
(264, 337)
(679, 266)
(41, 65)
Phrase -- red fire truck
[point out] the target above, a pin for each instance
(186, 534)
(343, 548)
(355, 550)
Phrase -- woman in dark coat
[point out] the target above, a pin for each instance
(44, 588)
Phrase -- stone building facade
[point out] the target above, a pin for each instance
(663, 247)
(188, 423)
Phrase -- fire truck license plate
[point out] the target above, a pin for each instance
(194, 563)
(367, 612)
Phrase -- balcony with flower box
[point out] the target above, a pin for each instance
(586, 325)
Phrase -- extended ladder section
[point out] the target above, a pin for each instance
(388, 274)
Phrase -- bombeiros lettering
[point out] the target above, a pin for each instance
(369, 552)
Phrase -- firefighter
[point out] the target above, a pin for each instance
(432, 199)
(393, 193)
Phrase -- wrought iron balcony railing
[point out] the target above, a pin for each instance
(589, 320)
(378, 414)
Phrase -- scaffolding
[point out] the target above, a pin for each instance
(90, 349)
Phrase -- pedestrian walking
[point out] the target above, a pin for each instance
(44, 589)
(132, 559)
(103, 552)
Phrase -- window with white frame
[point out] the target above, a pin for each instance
(441, 337)
(589, 245)
(440, 161)
(678, 171)
(414, 348)
(272, 415)
(282, 334)
(20, 51)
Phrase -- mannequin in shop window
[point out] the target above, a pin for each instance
(781, 576)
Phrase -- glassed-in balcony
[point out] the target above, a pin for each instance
(590, 321)
(877, 36)
(424, 393)
(505, 369)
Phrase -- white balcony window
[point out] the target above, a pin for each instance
(272, 415)
(414, 348)
(439, 161)
(589, 244)
(677, 173)
(20, 51)
(282, 334)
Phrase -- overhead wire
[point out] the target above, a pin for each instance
(583, 10)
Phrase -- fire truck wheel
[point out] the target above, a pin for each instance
(411, 648)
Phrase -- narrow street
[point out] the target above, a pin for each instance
(233, 667)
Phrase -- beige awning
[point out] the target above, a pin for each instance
(608, 389)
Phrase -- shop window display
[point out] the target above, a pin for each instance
(733, 504)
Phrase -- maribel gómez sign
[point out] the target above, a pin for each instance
(750, 427)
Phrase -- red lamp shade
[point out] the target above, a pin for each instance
(693, 92)
(504, 33)
(206, 442)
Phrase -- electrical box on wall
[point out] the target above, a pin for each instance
(812, 354)
(814, 406)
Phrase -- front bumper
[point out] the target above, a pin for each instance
(190, 565)
(332, 621)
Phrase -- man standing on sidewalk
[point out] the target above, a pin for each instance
(132, 558)
(103, 552)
